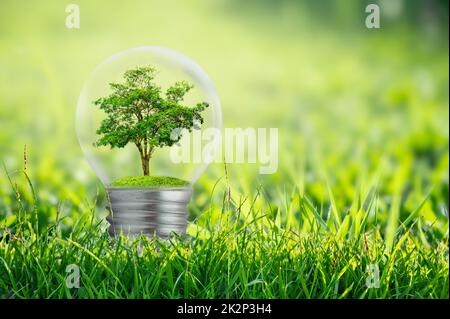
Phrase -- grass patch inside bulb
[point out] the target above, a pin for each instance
(149, 182)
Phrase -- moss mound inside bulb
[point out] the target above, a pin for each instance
(149, 182)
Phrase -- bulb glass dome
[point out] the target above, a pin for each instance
(114, 163)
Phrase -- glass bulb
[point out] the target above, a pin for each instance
(140, 209)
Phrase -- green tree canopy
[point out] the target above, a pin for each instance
(138, 112)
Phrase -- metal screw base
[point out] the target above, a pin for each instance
(149, 211)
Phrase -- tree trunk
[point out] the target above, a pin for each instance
(145, 160)
(146, 154)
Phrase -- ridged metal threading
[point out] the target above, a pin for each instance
(148, 211)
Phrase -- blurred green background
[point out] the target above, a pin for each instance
(355, 107)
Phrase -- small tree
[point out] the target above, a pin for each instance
(137, 112)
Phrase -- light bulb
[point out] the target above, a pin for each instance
(141, 209)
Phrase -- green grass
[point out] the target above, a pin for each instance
(234, 259)
(150, 182)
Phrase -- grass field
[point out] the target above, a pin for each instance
(362, 183)
(255, 258)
